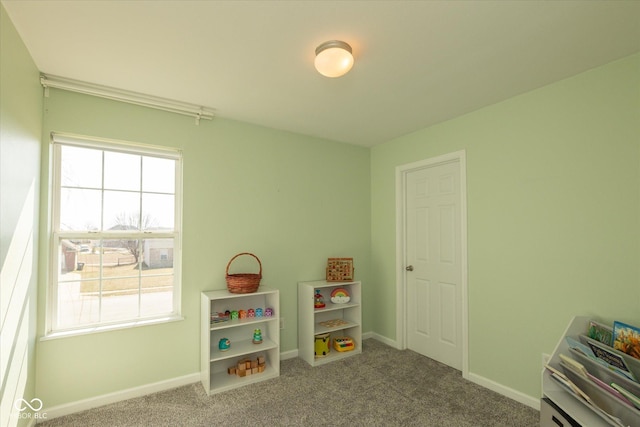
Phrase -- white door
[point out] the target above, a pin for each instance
(434, 262)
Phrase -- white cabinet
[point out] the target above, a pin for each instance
(214, 363)
(337, 319)
(575, 408)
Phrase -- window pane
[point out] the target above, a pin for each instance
(158, 175)
(121, 210)
(79, 209)
(157, 256)
(76, 262)
(80, 167)
(78, 304)
(120, 257)
(121, 171)
(158, 210)
(157, 297)
(120, 299)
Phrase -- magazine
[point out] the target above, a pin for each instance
(617, 361)
(626, 338)
(600, 332)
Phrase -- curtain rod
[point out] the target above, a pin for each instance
(164, 104)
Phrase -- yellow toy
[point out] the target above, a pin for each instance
(321, 347)
(343, 344)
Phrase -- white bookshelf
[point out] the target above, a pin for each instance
(575, 408)
(309, 319)
(213, 362)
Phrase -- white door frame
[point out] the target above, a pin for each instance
(401, 276)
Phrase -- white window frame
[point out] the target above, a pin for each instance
(59, 139)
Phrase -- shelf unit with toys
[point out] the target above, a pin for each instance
(337, 319)
(243, 362)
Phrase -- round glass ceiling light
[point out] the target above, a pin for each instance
(333, 58)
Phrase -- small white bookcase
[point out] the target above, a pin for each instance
(310, 318)
(215, 363)
(566, 406)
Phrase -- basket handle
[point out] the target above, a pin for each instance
(244, 253)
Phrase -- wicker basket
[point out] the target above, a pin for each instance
(243, 283)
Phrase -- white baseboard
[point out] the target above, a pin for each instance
(474, 378)
(505, 391)
(118, 396)
(382, 339)
(105, 399)
(291, 354)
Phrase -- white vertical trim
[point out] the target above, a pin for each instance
(401, 286)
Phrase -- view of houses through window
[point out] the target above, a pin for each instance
(116, 225)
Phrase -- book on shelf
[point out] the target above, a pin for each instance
(577, 345)
(626, 338)
(572, 364)
(586, 351)
(603, 353)
(568, 384)
(606, 387)
(579, 369)
(600, 332)
(635, 400)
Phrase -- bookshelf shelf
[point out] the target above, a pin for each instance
(310, 320)
(560, 404)
(213, 362)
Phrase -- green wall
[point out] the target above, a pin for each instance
(553, 222)
(292, 200)
(20, 129)
(553, 193)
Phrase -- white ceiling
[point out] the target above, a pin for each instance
(417, 63)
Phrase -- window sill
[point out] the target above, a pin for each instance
(107, 328)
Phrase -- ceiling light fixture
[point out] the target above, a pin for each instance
(333, 58)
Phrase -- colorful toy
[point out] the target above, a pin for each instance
(321, 345)
(234, 314)
(242, 314)
(340, 296)
(258, 312)
(343, 344)
(318, 300)
(268, 312)
(219, 317)
(251, 313)
(224, 344)
(257, 336)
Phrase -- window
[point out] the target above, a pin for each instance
(115, 234)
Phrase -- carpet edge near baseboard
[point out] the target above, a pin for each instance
(118, 396)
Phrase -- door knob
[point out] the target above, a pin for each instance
(409, 268)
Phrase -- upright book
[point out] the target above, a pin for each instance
(626, 338)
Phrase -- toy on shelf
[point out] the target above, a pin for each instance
(339, 269)
(246, 367)
(333, 323)
(258, 312)
(219, 317)
(340, 296)
(321, 347)
(343, 344)
(268, 312)
(257, 336)
(318, 300)
(224, 344)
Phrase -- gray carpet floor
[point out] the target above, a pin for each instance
(380, 387)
